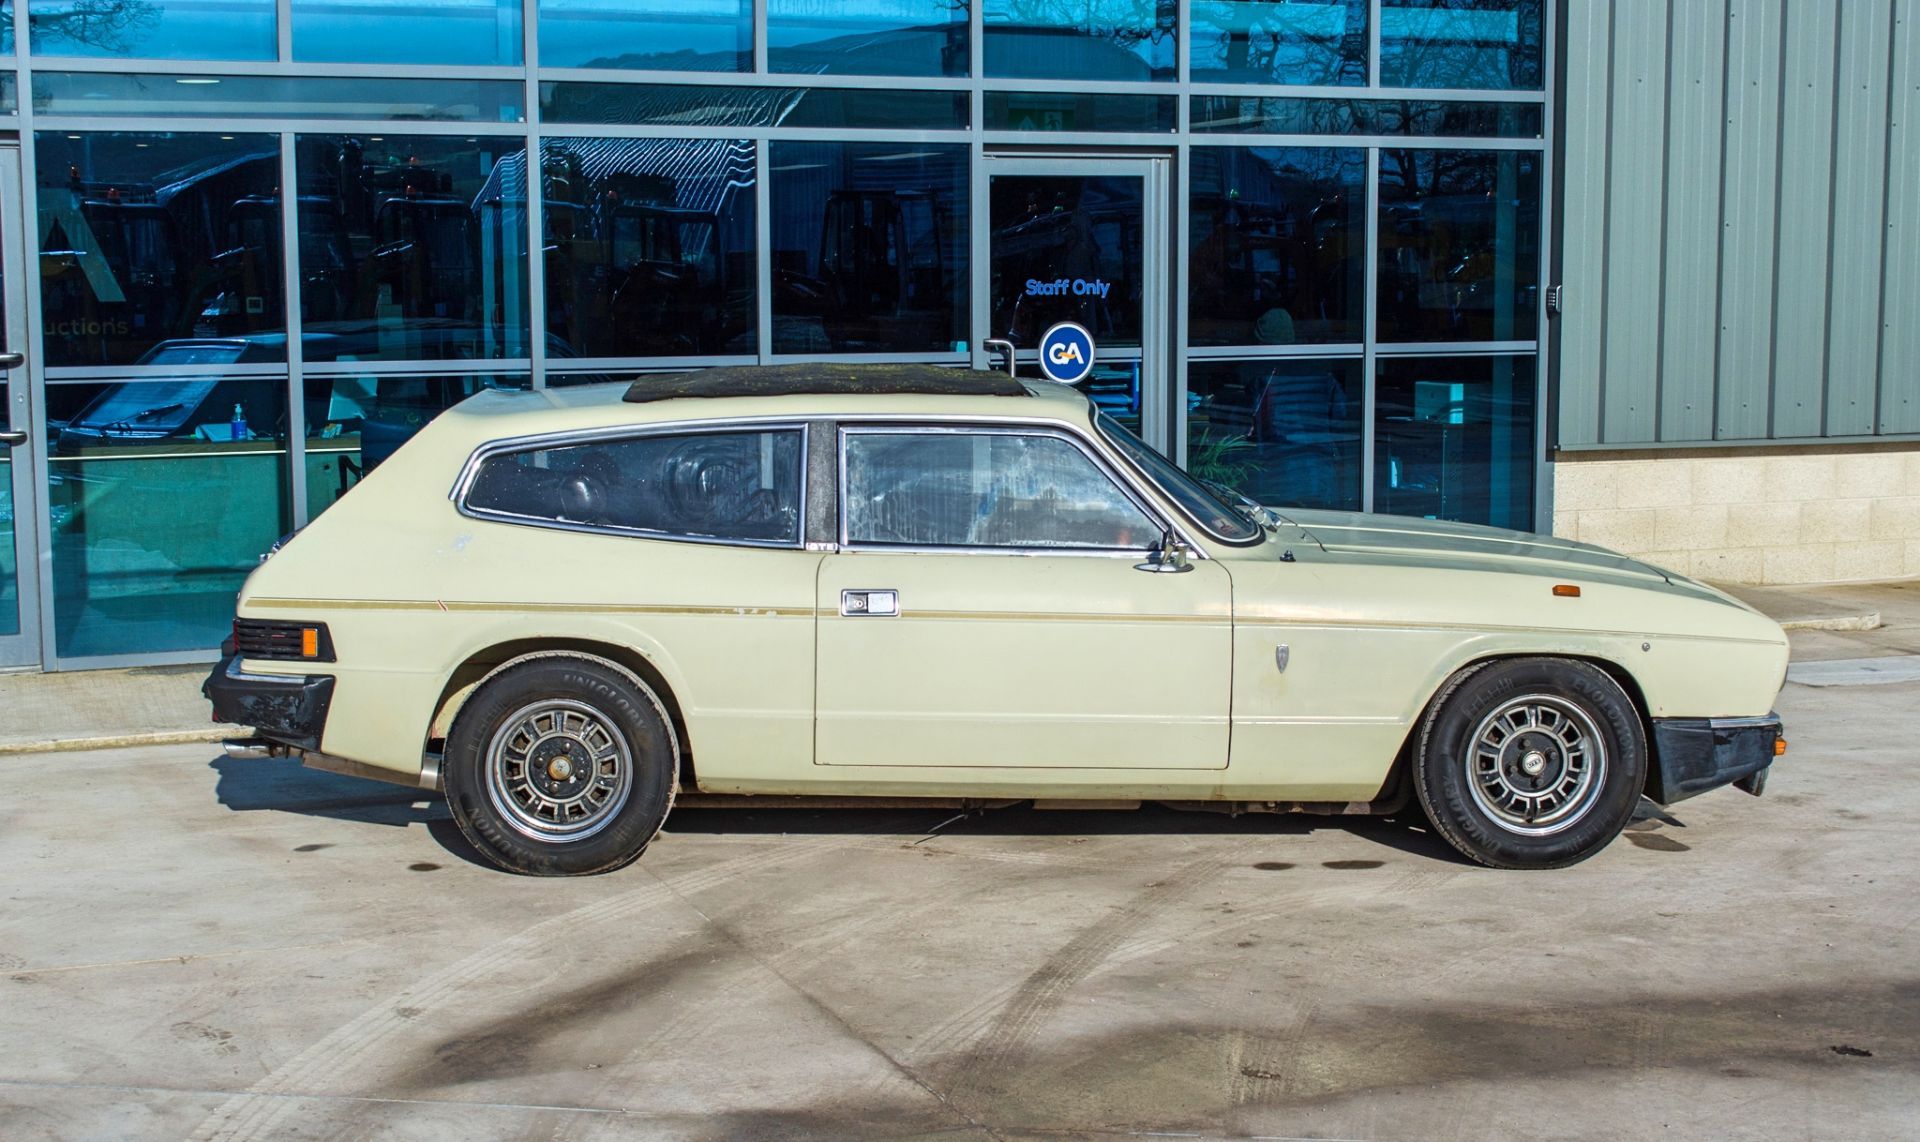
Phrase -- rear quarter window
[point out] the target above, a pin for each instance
(713, 487)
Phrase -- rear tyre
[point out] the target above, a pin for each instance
(561, 766)
(1531, 762)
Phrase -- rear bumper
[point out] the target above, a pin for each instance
(290, 709)
(1693, 755)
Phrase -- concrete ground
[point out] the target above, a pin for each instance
(198, 947)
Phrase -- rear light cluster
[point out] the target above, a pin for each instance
(296, 642)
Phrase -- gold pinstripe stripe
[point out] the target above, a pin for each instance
(280, 604)
(527, 608)
(1056, 617)
(1468, 628)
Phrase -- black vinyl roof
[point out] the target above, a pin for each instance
(820, 379)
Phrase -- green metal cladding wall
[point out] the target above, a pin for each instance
(1741, 227)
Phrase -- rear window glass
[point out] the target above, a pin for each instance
(725, 487)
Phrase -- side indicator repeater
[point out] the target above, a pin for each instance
(1566, 591)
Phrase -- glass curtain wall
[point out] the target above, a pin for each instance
(524, 193)
(1364, 239)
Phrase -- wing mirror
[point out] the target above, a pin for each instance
(1168, 557)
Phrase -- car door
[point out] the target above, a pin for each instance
(986, 609)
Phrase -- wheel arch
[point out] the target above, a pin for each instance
(480, 665)
(1403, 757)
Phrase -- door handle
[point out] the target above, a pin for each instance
(870, 604)
(12, 439)
(12, 360)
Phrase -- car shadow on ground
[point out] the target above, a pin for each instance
(1405, 831)
(284, 785)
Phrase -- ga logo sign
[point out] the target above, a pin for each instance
(1066, 353)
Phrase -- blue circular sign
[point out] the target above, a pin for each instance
(1066, 353)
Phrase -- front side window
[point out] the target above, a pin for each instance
(720, 487)
(985, 489)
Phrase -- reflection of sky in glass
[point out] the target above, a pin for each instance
(414, 31)
(876, 37)
(1090, 39)
(155, 29)
(679, 35)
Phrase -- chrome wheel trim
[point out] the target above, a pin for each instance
(1536, 765)
(558, 770)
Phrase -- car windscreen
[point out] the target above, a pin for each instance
(1203, 506)
(145, 407)
(195, 353)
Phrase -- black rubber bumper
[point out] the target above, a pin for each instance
(1693, 755)
(290, 710)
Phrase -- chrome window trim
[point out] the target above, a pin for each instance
(882, 426)
(470, 470)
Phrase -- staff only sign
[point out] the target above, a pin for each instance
(1061, 287)
(1066, 353)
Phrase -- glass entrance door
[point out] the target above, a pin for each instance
(19, 603)
(1082, 240)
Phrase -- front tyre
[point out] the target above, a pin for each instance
(1531, 762)
(561, 766)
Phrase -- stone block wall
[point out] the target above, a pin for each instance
(1799, 515)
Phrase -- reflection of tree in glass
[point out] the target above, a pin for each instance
(108, 25)
(1488, 44)
(1459, 235)
(1128, 23)
(1311, 43)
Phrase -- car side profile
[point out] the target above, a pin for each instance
(568, 607)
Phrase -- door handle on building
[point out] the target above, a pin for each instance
(12, 360)
(11, 439)
(1004, 348)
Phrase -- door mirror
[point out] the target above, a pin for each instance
(1169, 556)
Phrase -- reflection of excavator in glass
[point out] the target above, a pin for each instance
(108, 265)
(425, 246)
(239, 291)
(638, 275)
(668, 280)
(633, 273)
(393, 241)
(882, 270)
(114, 255)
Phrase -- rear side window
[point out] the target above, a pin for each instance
(714, 487)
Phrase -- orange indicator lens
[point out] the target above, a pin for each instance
(1566, 590)
(309, 642)
(1779, 747)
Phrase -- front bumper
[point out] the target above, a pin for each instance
(1693, 755)
(290, 709)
